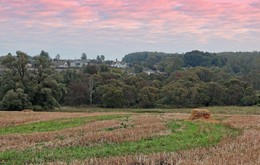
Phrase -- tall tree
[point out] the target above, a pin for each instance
(57, 57)
(40, 88)
(47, 87)
(83, 56)
(91, 89)
(102, 57)
(44, 54)
(14, 81)
(77, 93)
(148, 97)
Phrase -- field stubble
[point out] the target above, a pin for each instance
(18, 118)
(90, 134)
(244, 149)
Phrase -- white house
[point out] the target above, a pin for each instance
(119, 65)
(149, 71)
(64, 65)
(78, 63)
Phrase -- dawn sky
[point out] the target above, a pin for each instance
(117, 27)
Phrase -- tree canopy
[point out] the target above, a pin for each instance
(192, 79)
(40, 88)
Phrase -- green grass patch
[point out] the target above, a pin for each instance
(185, 135)
(239, 110)
(53, 125)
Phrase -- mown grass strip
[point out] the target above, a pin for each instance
(53, 125)
(185, 135)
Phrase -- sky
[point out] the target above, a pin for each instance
(115, 28)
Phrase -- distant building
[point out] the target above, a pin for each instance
(60, 64)
(118, 64)
(78, 63)
(29, 65)
(149, 71)
(64, 65)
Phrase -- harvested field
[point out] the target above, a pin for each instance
(129, 138)
(243, 149)
(18, 118)
(90, 134)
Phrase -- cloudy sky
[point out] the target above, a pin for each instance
(117, 27)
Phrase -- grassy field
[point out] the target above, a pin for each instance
(53, 125)
(127, 137)
(239, 110)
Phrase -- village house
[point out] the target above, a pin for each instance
(78, 63)
(61, 64)
(118, 64)
(149, 71)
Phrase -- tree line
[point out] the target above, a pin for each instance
(243, 65)
(192, 79)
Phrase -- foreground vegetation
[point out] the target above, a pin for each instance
(54, 125)
(125, 137)
(184, 135)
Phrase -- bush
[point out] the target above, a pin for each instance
(16, 100)
(248, 101)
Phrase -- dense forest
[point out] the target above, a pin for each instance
(192, 79)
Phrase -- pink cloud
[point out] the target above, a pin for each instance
(203, 19)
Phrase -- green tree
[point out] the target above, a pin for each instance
(57, 57)
(99, 59)
(234, 91)
(148, 97)
(204, 74)
(113, 97)
(17, 68)
(250, 97)
(14, 81)
(215, 94)
(41, 86)
(70, 75)
(91, 69)
(77, 93)
(44, 54)
(188, 75)
(83, 56)
(138, 68)
(102, 57)
(175, 94)
(46, 86)
(103, 68)
(16, 100)
(130, 95)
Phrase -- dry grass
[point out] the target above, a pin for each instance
(135, 128)
(244, 149)
(243, 122)
(20, 141)
(131, 130)
(18, 118)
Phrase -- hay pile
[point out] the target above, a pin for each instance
(200, 114)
